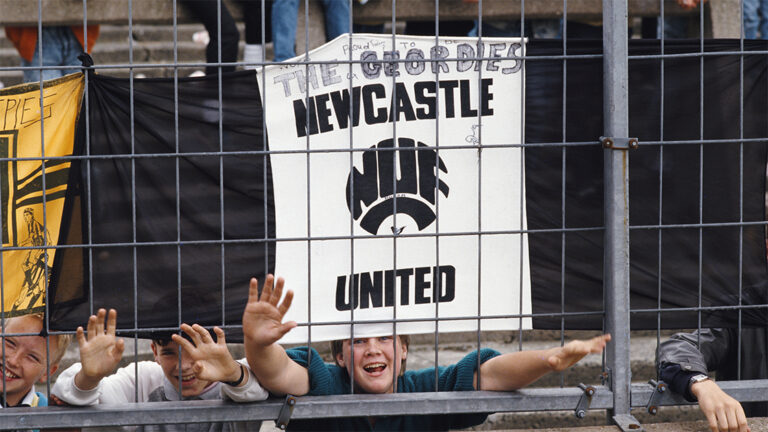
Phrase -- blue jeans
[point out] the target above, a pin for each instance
(60, 48)
(755, 19)
(285, 14)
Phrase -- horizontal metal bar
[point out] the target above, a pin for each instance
(744, 391)
(543, 399)
(368, 236)
(698, 308)
(218, 242)
(534, 399)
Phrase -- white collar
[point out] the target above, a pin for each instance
(28, 399)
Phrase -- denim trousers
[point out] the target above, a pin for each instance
(60, 48)
(284, 18)
(755, 19)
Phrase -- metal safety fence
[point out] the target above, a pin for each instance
(620, 393)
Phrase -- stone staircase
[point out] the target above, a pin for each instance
(151, 45)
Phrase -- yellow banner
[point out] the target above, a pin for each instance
(32, 186)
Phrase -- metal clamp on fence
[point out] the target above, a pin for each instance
(285, 412)
(617, 143)
(605, 378)
(653, 403)
(584, 401)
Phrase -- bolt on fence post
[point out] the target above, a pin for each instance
(616, 201)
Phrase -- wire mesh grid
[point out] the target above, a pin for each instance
(618, 395)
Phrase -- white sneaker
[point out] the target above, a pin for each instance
(201, 37)
(197, 73)
(252, 54)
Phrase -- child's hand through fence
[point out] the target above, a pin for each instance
(263, 317)
(574, 351)
(213, 361)
(100, 350)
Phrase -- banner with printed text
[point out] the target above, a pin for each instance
(33, 187)
(373, 158)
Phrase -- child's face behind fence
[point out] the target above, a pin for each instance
(167, 356)
(25, 359)
(376, 362)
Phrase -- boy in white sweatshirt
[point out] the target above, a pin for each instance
(206, 368)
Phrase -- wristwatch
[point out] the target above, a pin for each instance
(697, 379)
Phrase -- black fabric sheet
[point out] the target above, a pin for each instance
(674, 184)
(199, 198)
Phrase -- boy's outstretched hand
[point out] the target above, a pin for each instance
(574, 351)
(100, 351)
(263, 317)
(213, 361)
(263, 326)
(518, 369)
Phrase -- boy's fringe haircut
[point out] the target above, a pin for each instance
(62, 340)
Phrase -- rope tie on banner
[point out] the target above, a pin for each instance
(87, 61)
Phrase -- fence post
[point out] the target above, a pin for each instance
(616, 204)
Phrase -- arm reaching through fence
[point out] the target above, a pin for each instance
(515, 370)
(685, 358)
(262, 327)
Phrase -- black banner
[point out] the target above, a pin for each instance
(678, 185)
(203, 188)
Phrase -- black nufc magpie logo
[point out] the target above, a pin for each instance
(402, 181)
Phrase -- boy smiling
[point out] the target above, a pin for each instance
(206, 367)
(377, 365)
(25, 360)
(375, 361)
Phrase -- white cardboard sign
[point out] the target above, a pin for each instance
(431, 147)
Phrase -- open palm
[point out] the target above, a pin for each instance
(100, 351)
(263, 317)
(213, 361)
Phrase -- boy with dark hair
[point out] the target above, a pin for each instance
(206, 370)
(25, 360)
(376, 365)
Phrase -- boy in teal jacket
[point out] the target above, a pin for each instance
(377, 361)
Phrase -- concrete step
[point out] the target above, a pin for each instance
(4, 42)
(184, 32)
(151, 44)
(118, 53)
